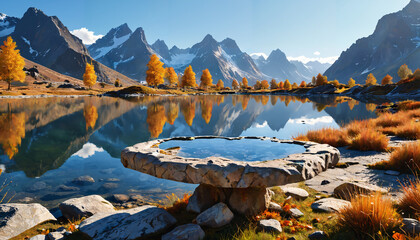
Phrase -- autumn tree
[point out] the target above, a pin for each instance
(264, 84)
(220, 84)
(294, 86)
(206, 80)
(117, 83)
(321, 80)
(281, 85)
(11, 63)
(302, 84)
(273, 84)
(335, 83)
(257, 85)
(155, 71)
(313, 81)
(12, 130)
(171, 76)
(244, 82)
(235, 84)
(188, 79)
(351, 83)
(387, 80)
(156, 119)
(416, 74)
(404, 72)
(89, 77)
(91, 115)
(370, 80)
(287, 85)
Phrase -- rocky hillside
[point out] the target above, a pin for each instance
(45, 40)
(395, 41)
(7, 24)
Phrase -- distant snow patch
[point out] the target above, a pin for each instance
(31, 51)
(116, 42)
(87, 37)
(88, 150)
(367, 70)
(305, 59)
(122, 61)
(180, 60)
(258, 55)
(312, 121)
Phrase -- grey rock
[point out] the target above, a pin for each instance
(317, 235)
(329, 205)
(296, 193)
(227, 173)
(216, 216)
(76, 208)
(55, 236)
(38, 186)
(250, 201)
(83, 180)
(275, 207)
(26, 200)
(185, 232)
(16, 218)
(109, 185)
(296, 213)
(204, 197)
(38, 237)
(121, 197)
(65, 188)
(411, 226)
(270, 225)
(127, 224)
(348, 189)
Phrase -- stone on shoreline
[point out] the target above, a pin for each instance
(270, 225)
(329, 205)
(296, 193)
(16, 218)
(127, 224)
(216, 216)
(83, 180)
(185, 232)
(76, 208)
(348, 189)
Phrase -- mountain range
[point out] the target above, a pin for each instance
(395, 41)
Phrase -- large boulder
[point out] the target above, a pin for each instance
(411, 226)
(16, 218)
(76, 208)
(329, 205)
(127, 224)
(323, 89)
(185, 232)
(205, 196)
(250, 201)
(349, 189)
(216, 216)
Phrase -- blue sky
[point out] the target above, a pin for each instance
(310, 28)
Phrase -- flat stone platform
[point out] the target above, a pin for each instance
(222, 172)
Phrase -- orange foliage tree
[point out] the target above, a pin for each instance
(12, 130)
(206, 80)
(302, 84)
(264, 84)
(11, 63)
(273, 84)
(281, 85)
(287, 85)
(370, 80)
(91, 115)
(294, 86)
(244, 82)
(171, 76)
(155, 71)
(404, 72)
(188, 79)
(156, 119)
(351, 83)
(235, 84)
(89, 77)
(321, 80)
(387, 80)
(220, 84)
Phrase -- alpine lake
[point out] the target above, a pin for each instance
(47, 143)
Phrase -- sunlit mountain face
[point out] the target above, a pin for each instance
(46, 143)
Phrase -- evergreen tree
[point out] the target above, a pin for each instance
(11, 63)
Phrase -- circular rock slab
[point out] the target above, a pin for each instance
(223, 172)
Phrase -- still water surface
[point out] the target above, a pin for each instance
(45, 143)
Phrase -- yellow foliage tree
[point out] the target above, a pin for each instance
(281, 85)
(91, 115)
(387, 80)
(257, 85)
(220, 84)
(235, 84)
(12, 130)
(171, 76)
(287, 85)
(273, 84)
(188, 79)
(351, 83)
(117, 83)
(155, 71)
(370, 80)
(321, 80)
(156, 119)
(302, 84)
(89, 77)
(404, 72)
(294, 86)
(264, 84)
(335, 83)
(206, 80)
(11, 63)
(244, 82)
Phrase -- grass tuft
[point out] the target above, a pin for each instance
(411, 131)
(370, 140)
(331, 136)
(410, 201)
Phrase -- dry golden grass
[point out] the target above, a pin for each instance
(389, 120)
(410, 201)
(331, 136)
(370, 140)
(408, 105)
(354, 128)
(405, 158)
(410, 130)
(369, 215)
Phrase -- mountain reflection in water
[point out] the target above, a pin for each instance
(47, 142)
